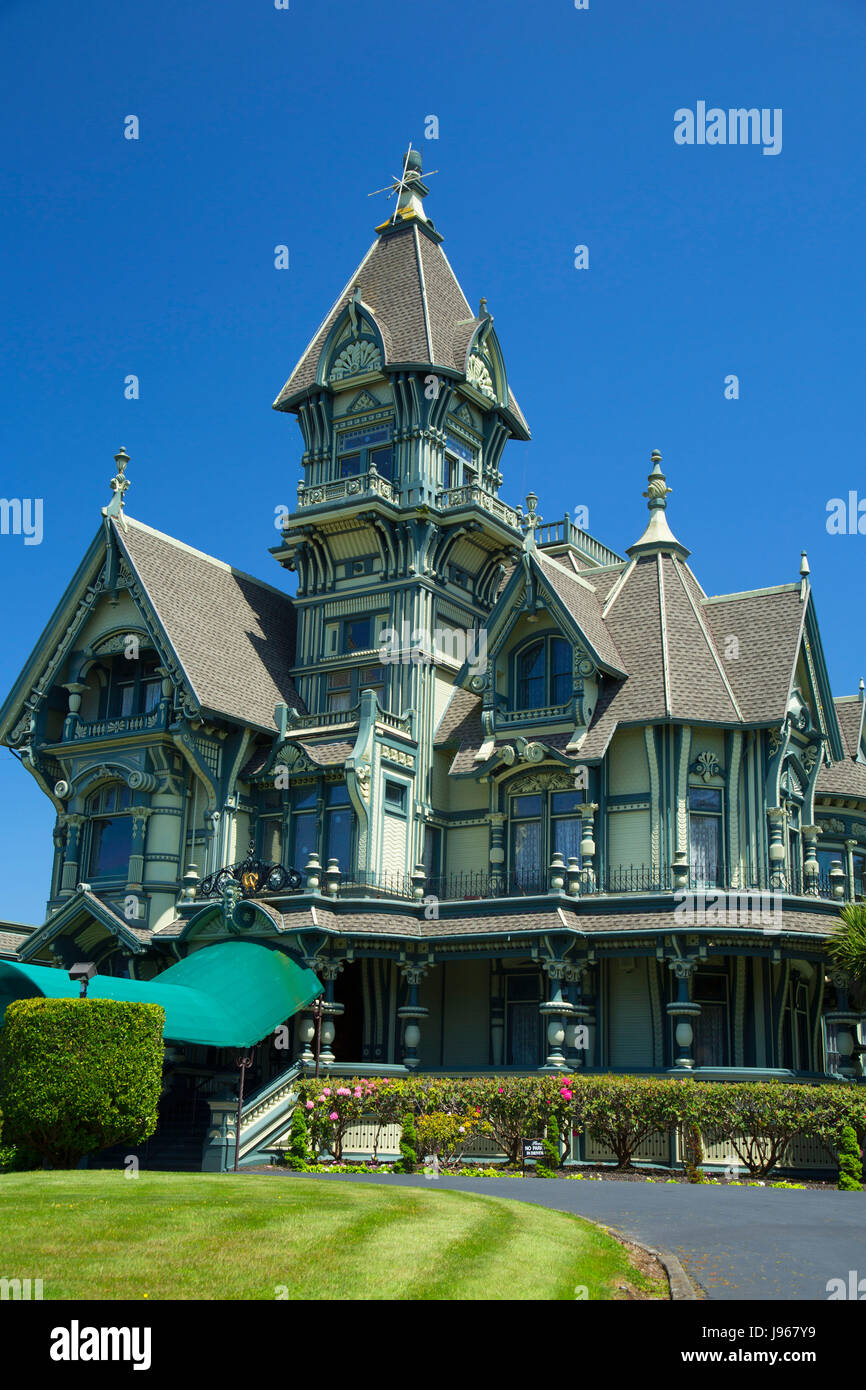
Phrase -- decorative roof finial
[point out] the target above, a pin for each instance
(530, 521)
(657, 490)
(482, 308)
(119, 485)
(658, 536)
(804, 574)
(409, 189)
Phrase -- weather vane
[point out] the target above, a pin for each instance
(404, 182)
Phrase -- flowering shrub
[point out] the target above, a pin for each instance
(756, 1120)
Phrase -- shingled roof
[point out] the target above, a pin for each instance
(233, 635)
(848, 777)
(422, 313)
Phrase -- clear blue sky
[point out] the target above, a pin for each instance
(261, 126)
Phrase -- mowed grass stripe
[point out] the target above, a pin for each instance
(198, 1236)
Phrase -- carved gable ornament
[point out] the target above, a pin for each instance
(478, 375)
(360, 356)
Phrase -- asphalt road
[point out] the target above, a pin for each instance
(734, 1242)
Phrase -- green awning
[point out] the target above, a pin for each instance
(230, 995)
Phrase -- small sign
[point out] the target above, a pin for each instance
(532, 1148)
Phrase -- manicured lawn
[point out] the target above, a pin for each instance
(198, 1235)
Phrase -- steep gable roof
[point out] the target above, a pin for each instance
(766, 625)
(233, 635)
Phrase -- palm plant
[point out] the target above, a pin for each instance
(847, 945)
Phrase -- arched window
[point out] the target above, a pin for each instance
(110, 831)
(543, 674)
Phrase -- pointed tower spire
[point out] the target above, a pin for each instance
(658, 535)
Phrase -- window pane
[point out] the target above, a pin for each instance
(432, 849)
(395, 795)
(150, 694)
(525, 806)
(111, 846)
(384, 461)
(560, 671)
(350, 464)
(337, 794)
(705, 798)
(341, 700)
(358, 635)
(304, 796)
(339, 838)
(526, 853)
(705, 847)
(304, 839)
(339, 680)
(530, 678)
(567, 837)
(566, 803)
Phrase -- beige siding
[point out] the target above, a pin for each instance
(627, 765)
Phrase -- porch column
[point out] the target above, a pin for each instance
(587, 846)
(776, 818)
(557, 1011)
(846, 1021)
(411, 1013)
(850, 846)
(70, 877)
(328, 971)
(811, 868)
(497, 853)
(683, 1009)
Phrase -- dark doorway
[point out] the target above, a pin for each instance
(349, 1026)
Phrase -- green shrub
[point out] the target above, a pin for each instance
(298, 1154)
(552, 1157)
(408, 1141)
(79, 1075)
(850, 1166)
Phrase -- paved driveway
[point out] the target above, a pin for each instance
(735, 1242)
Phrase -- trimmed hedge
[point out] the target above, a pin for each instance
(756, 1120)
(78, 1075)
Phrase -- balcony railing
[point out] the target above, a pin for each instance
(566, 533)
(369, 484)
(120, 724)
(473, 495)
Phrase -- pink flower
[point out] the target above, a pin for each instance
(357, 1094)
(309, 1105)
(501, 1090)
(343, 1091)
(333, 1115)
(326, 1092)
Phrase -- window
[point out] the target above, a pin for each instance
(796, 1051)
(826, 859)
(339, 825)
(303, 829)
(395, 797)
(524, 1026)
(540, 825)
(345, 686)
(711, 1027)
(460, 464)
(110, 831)
(132, 687)
(705, 836)
(358, 449)
(432, 859)
(543, 674)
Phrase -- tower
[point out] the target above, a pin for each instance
(403, 401)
